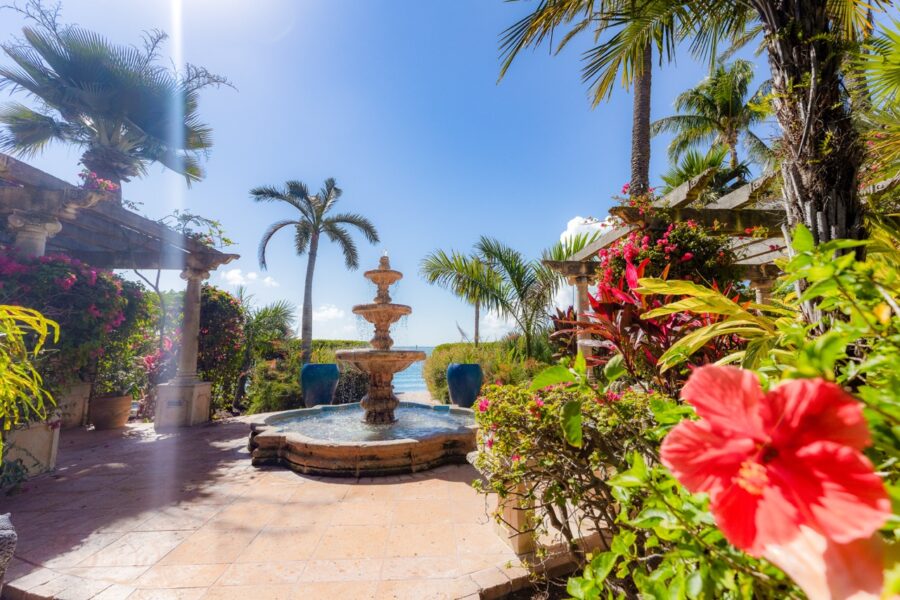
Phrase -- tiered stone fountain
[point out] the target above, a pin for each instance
(380, 435)
(381, 362)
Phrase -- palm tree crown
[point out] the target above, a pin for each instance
(314, 220)
(719, 112)
(115, 102)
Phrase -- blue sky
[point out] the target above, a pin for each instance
(398, 100)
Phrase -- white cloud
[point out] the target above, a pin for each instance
(328, 312)
(494, 327)
(238, 277)
(578, 225)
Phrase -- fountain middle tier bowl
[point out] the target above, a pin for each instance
(388, 312)
(384, 361)
(335, 440)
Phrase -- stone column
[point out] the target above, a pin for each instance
(190, 326)
(186, 400)
(31, 232)
(582, 306)
(763, 290)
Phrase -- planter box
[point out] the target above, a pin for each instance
(36, 445)
(73, 405)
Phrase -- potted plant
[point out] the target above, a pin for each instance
(114, 391)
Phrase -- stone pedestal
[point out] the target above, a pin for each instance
(182, 403)
(36, 445)
(73, 405)
(516, 522)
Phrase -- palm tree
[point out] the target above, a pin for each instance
(629, 30)
(456, 271)
(314, 221)
(693, 163)
(265, 328)
(505, 281)
(116, 103)
(719, 111)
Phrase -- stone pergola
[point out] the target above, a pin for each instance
(750, 206)
(41, 214)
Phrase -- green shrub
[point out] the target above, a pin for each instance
(499, 362)
(352, 385)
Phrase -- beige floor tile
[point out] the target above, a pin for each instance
(121, 575)
(352, 541)
(178, 594)
(300, 514)
(434, 589)
(435, 539)
(181, 517)
(419, 512)
(316, 492)
(336, 590)
(266, 573)
(180, 576)
(420, 568)
(243, 514)
(136, 549)
(479, 539)
(282, 544)
(353, 569)
(364, 512)
(56, 551)
(252, 592)
(208, 546)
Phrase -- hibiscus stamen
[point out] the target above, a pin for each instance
(752, 477)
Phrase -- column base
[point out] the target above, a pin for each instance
(182, 403)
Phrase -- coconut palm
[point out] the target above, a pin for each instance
(720, 111)
(456, 271)
(314, 221)
(504, 281)
(116, 103)
(693, 163)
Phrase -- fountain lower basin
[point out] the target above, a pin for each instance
(335, 440)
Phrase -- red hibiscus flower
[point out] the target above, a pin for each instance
(778, 466)
(772, 462)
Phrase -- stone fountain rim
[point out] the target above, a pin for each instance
(266, 427)
(381, 306)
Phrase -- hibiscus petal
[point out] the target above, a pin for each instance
(803, 411)
(835, 488)
(829, 571)
(750, 521)
(728, 397)
(701, 458)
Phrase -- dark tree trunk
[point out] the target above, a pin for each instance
(477, 318)
(306, 323)
(822, 152)
(640, 128)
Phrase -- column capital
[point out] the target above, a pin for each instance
(34, 224)
(192, 273)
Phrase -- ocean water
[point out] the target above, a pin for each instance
(410, 379)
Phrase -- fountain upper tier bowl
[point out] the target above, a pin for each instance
(374, 360)
(335, 440)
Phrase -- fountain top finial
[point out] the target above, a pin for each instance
(384, 263)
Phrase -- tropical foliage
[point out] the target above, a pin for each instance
(315, 220)
(221, 343)
(116, 103)
(720, 111)
(693, 163)
(23, 397)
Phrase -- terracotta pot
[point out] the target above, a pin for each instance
(110, 412)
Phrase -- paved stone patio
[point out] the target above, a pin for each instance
(138, 515)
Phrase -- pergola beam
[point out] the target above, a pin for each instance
(731, 222)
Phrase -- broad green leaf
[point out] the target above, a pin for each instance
(602, 565)
(571, 422)
(803, 239)
(614, 368)
(552, 376)
(580, 366)
(581, 588)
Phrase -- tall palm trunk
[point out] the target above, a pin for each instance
(640, 128)
(477, 319)
(822, 152)
(306, 319)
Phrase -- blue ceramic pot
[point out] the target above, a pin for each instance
(318, 383)
(464, 381)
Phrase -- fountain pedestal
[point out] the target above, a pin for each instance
(381, 363)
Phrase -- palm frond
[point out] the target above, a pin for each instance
(267, 236)
(342, 238)
(358, 221)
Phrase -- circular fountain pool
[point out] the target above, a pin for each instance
(335, 440)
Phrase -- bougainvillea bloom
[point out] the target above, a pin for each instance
(777, 461)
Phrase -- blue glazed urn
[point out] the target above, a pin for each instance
(318, 383)
(464, 381)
